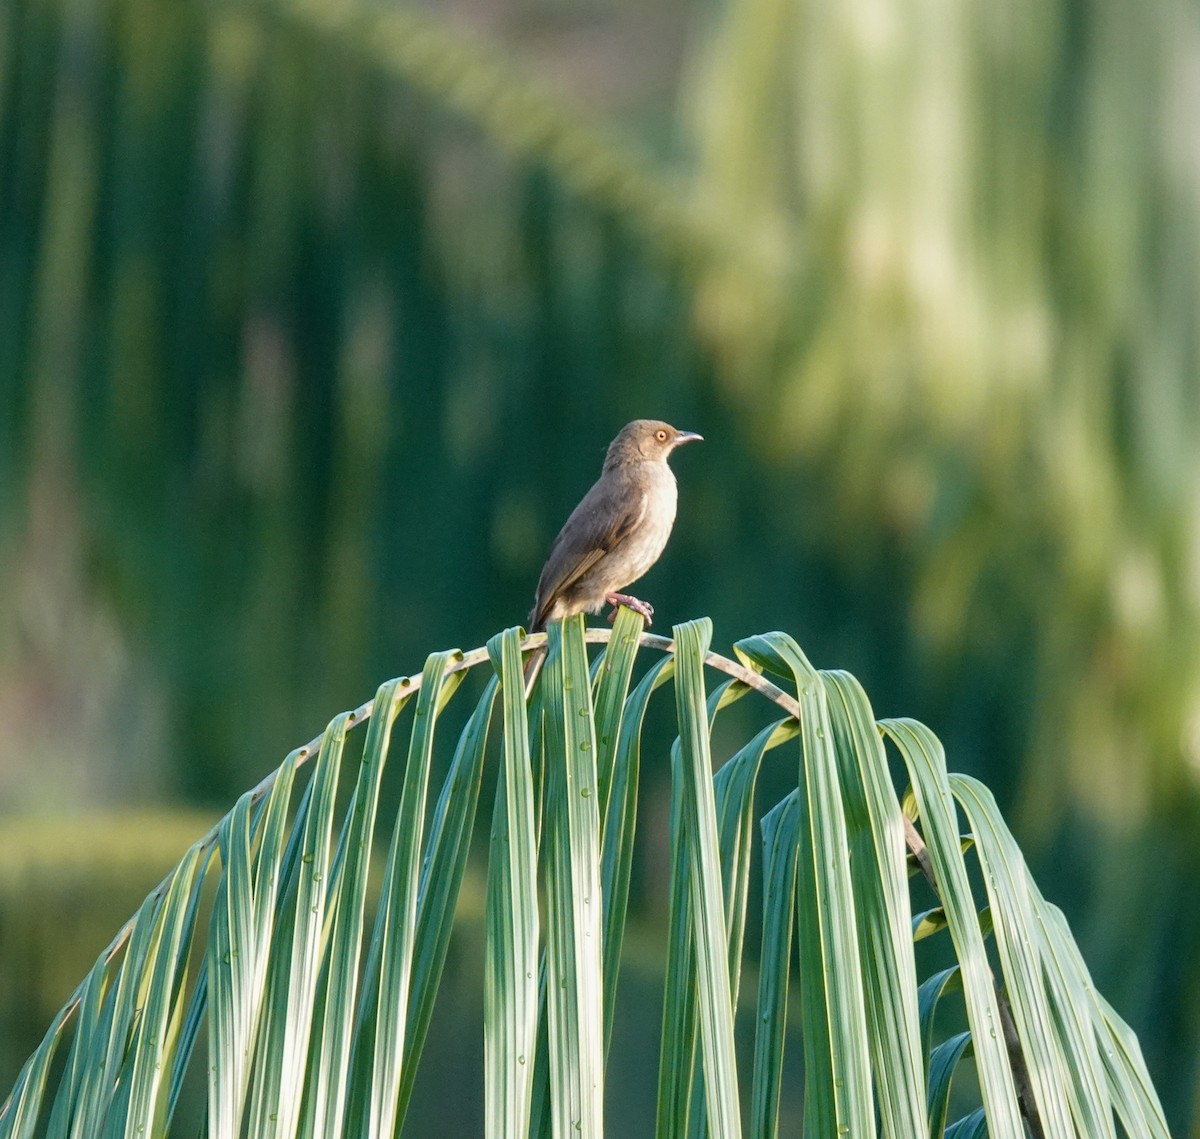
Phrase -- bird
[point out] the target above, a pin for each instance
(618, 530)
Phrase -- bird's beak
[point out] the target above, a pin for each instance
(687, 437)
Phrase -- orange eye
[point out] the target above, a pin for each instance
(660, 435)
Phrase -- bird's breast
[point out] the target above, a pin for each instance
(650, 536)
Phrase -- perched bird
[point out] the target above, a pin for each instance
(619, 529)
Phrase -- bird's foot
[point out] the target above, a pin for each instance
(643, 607)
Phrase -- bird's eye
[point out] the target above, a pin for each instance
(660, 435)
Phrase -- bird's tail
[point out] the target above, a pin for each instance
(537, 624)
(533, 666)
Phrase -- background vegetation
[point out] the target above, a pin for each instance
(924, 275)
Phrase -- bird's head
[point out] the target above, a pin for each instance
(647, 440)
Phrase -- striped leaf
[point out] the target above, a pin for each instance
(300, 1022)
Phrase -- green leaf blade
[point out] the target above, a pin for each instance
(1019, 944)
(875, 827)
(707, 892)
(397, 918)
(574, 902)
(923, 756)
(511, 918)
(838, 1097)
(781, 849)
(296, 949)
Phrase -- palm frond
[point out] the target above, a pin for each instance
(316, 1028)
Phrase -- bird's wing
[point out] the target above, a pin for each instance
(606, 516)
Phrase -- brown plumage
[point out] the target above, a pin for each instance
(617, 531)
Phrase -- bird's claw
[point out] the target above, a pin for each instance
(644, 608)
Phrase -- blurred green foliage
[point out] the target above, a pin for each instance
(926, 278)
(62, 884)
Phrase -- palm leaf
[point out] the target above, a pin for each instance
(511, 1008)
(837, 1086)
(317, 1027)
(781, 844)
(923, 755)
